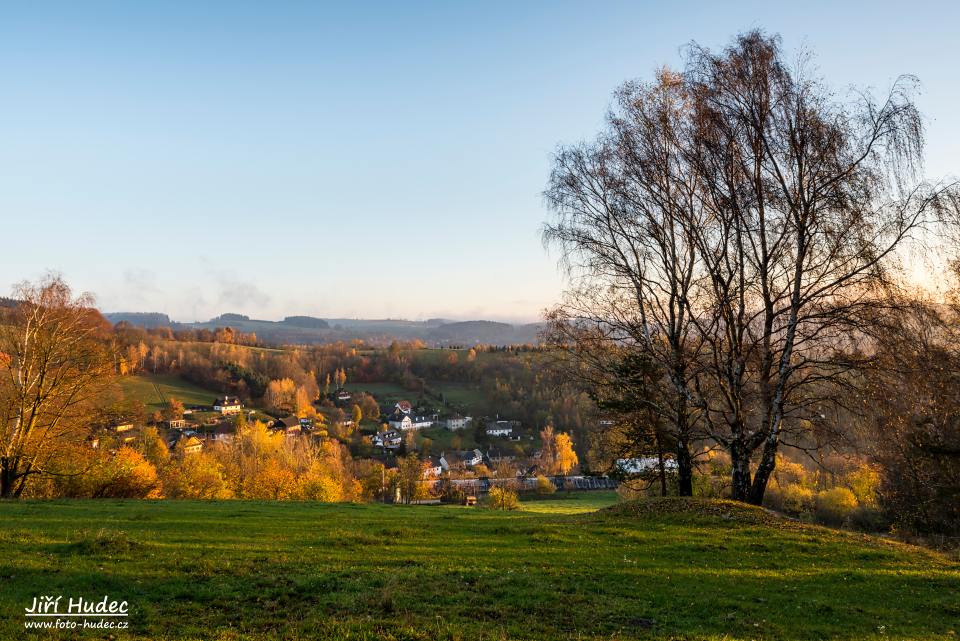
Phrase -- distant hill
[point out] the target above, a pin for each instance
(306, 321)
(140, 319)
(309, 330)
(481, 331)
(226, 318)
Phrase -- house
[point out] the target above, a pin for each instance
(192, 445)
(389, 440)
(420, 422)
(457, 422)
(644, 465)
(227, 405)
(187, 441)
(177, 423)
(432, 467)
(497, 456)
(399, 421)
(404, 406)
(343, 395)
(289, 425)
(122, 427)
(470, 458)
(500, 428)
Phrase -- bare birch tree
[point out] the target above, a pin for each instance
(54, 362)
(624, 209)
(809, 199)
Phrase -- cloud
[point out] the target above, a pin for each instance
(242, 294)
(237, 292)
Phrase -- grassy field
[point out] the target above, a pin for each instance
(154, 389)
(556, 570)
(461, 395)
(384, 392)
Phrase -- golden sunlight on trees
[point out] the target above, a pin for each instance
(557, 455)
(56, 365)
(566, 458)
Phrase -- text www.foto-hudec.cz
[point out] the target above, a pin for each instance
(57, 612)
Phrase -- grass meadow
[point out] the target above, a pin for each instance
(558, 569)
(154, 390)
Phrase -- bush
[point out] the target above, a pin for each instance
(451, 493)
(835, 505)
(502, 499)
(864, 481)
(867, 518)
(796, 499)
(545, 486)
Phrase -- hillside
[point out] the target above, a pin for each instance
(663, 570)
(310, 330)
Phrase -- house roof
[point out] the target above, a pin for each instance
(288, 421)
(227, 400)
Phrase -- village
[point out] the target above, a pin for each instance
(474, 454)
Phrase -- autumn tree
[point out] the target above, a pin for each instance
(54, 363)
(565, 456)
(809, 200)
(281, 396)
(409, 474)
(174, 409)
(738, 225)
(624, 206)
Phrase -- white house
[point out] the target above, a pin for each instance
(471, 458)
(420, 422)
(432, 467)
(400, 421)
(457, 422)
(227, 405)
(389, 440)
(500, 428)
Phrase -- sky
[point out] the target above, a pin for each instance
(361, 159)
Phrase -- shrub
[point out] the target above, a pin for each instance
(545, 486)
(796, 499)
(451, 493)
(502, 499)
(868, 518)
(864, 481)
(835, 505)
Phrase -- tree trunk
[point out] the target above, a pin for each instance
(740, 473)
(661, 468)
(684, 469)
(7, 480)
(768, 463)
(684, 460)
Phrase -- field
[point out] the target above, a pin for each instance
(153, 390)
(557, 570)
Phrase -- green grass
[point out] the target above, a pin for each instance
(461, 395)
(661, 570)
(153, 390)
(384, 392)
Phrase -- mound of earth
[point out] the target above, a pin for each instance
(715, 508)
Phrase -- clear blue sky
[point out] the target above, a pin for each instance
(357, 159)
